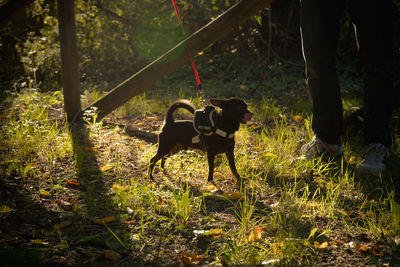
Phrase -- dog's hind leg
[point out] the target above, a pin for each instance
(162, 151)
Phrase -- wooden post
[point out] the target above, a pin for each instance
(178, 55)
(69, 58)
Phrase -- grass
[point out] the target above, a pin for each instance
(286, 206)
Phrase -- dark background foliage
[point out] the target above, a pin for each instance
(117, 38)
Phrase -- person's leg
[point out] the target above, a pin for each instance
(319, 21)
(373, 21)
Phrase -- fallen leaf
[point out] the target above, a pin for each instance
(116, 187)
(66, 205)
(352, 160)
(277, 248)
(106, 167)
(129, 222)
(44, 193)
(210, 188)
(91, 149)
(62, 224)
(188, 259)
(255, 235)
(73, 182)
(39, 242)
(312, 204)
(363, 248)
(338, 242)
(354, 245)
(233, 195)
(297, 118)
(72, 200)
(322, 246)
(214, 233)
(152, 119)
(217, 174)
(5, 208)
(104, 220)
(111, 255)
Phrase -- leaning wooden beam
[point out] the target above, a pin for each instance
(178, 55)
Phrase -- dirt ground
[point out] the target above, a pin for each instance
(28, 236)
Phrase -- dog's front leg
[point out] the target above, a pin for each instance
(210, 158)
(231, 159)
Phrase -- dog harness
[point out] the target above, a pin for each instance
(204, 124)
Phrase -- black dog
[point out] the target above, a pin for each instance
(214, 138)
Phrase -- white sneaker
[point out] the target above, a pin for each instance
(374, 159)
(318, 148)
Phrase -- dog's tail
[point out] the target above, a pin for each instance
(182, 103)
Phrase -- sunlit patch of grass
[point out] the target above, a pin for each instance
(29, 135)
(292, 201)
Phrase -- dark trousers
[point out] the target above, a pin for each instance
(373, 23)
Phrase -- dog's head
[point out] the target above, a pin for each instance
(234, 109)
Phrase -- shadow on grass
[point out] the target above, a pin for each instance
(87, 237)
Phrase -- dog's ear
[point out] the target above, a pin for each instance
(217, 102)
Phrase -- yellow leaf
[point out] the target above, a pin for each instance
(62, 224)
(104, 220)
(152, 119)
(214, 233)
(297, 118)
(111, 255)
(117, 187)
(255, 235)
(233, 195)
(44, 193)
(91, 149)
(5, 208)
(322, 246)
(364, 248)
(352, 160)
(210, 188)
(312, 204)
(39, 242)
(106, 168)
(129, 222)
(254, 167)
(277, 248)
(217, 174)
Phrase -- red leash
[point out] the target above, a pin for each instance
(190, 55)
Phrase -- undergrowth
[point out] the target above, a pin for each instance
(282, 214)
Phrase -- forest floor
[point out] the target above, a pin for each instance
(74, 196)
